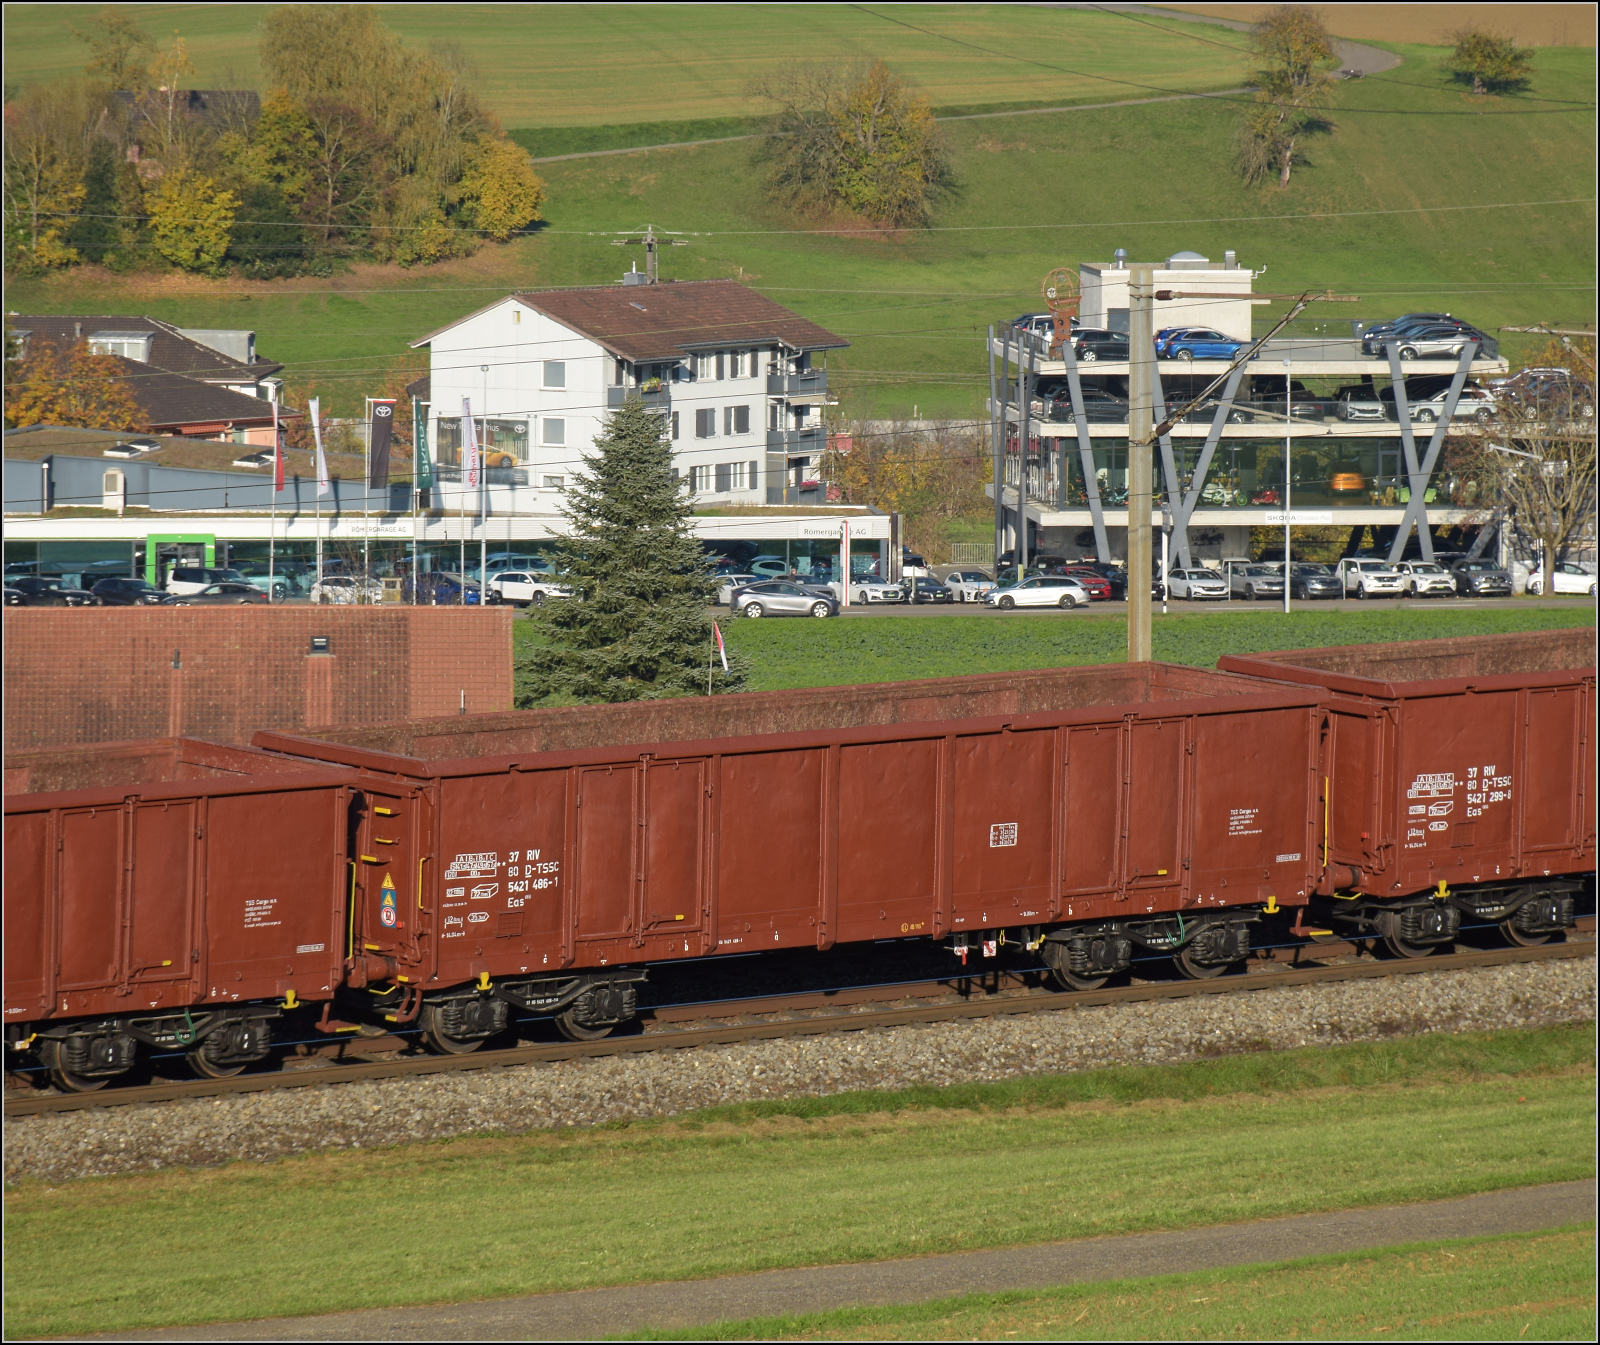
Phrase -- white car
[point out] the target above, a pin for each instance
(521, 588)
(346, 588)
(1425, 579)
(867, 588)
(1196, 585)
(1370, 578)
(968, 585)
(1045, 590)
(730, 582)
(1572, 576)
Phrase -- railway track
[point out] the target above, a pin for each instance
(824, 1023)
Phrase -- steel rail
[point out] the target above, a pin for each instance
(821, 1025)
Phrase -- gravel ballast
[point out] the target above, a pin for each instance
(267, 1125)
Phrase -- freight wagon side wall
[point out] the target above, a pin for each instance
(142, 762)
(861, 835)
(175, 896)
(1479, 770)
(692, 718)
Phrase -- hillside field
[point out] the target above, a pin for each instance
(1421, 197)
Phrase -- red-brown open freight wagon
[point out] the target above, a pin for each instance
(1167, 809)
(179, 910)
(1459, 781)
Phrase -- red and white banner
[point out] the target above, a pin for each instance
(471, 468)
(277, 451)
(722, 649)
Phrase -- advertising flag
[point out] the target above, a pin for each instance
(277, 451)
(722, 649)
(324, 483)
(471, 469)
(382, 433)
(419, 424)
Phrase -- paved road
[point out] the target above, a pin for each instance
(599, 1312)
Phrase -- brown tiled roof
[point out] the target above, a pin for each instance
(169, 348)
(662, 322)
(172, 399)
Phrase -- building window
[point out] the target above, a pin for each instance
(555, 430)
(699, 478)
(736, 420)
(704, 363)
(774, 416)
(619, 372)
(731, 476)
(705, 422)
(555, 483)
(555, 373)
(675, 425)
(130, 345)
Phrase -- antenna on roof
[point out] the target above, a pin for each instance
(651, 240)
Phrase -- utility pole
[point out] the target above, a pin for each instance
(651, 240)
(1288, 479)
(997, 419)
(1141, 398)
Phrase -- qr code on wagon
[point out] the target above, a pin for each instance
(1003, 833)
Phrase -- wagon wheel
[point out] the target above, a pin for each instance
(572, 1030)
(63, 1078)
(437, 1039)
(1520, 939)
(1061, 294)
(1389, 929)
(1070, 980)
(209, 1069)
(1183, 959)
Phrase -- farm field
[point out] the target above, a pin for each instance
(1394, 207)
(1535, 1287)
(799, 653)
(580, 65)
(809, 1181)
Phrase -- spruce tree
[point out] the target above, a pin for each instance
(636, 626)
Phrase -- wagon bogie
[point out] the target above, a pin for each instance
(81, 1055)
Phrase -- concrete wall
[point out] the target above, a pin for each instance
(76, 675)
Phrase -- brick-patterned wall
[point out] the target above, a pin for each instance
(107, 674)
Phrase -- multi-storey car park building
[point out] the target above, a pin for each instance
(1365, 431)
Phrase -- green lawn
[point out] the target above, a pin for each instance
(1537, 1287)
(860, 649)
(1037, 191)
(804, 1183)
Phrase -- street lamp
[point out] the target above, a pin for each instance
(1288, 453)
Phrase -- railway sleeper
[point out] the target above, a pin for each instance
(585, 1007)
(85, 1055)
(1528, 914)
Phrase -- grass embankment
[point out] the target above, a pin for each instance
(1535, 1287)
(858, 649)
(808, 1181)
(1037, 191)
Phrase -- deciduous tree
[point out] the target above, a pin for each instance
(52, 385)
(1293, 87)
(191, 219)
(500, 193)
(859, 140)
(1493, 62)
(116, 48)
(931, 475)
(636, 627)
(44, 166)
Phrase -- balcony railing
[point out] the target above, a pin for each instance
(811, 383)
(811, 439)
(658, 400)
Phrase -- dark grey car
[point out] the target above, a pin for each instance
(1315, 581)
(782, 597)
(1481, 579)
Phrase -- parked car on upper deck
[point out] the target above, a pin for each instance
(1200, 343)
(1437, 341)
(1091, 344)
(1374, 340)
(1426, 399)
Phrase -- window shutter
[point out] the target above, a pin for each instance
(674, 430)
(724, 478)
(719, 366)
(754, 479)
(741, 420)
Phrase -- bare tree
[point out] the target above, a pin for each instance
(1533, 463)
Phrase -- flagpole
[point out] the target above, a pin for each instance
(416, 497)
(324, 485)
(272, 517)
(366, 511)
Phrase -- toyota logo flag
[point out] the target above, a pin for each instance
(382, 431)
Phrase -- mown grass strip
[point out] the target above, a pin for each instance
(1537, 1286)
(737, 1190)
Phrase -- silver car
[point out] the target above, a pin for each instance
(968, 585)
(782, 597)
(1256, 581)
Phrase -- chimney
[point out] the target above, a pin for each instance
(77, 331)
(1230, 260)
(1119, 259)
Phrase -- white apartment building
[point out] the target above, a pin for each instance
(735, 377)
